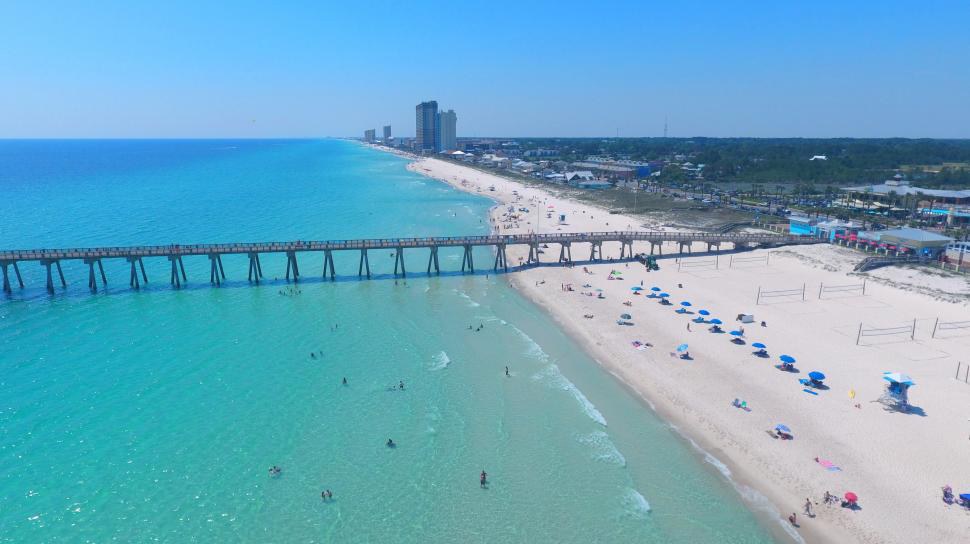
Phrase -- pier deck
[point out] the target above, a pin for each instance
(175, 252)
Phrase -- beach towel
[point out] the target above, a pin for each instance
(829, 465)
(809, 391)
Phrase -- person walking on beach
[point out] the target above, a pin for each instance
(808, 508)
(688, 327)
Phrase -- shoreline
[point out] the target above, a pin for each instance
(668, 392)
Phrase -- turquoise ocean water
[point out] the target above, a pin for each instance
(154, 415)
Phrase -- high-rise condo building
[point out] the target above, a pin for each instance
(446, 131)
(369, 136)
(425, 117)
(387, 133)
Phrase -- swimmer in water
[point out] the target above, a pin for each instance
(401, 385)
(483, 479)
(345, 381)
(507, 371)
(390, 443)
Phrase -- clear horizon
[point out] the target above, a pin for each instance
(240, 70)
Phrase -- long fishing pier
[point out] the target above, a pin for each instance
(174, 253)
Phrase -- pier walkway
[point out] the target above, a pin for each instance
(51, 258)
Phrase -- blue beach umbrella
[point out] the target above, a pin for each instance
(685, 303)
(655, 289)
(704, 312)
(716, 321)
(636, 288)
(758, 345)
(787, 359)
(783, 428)
(816, 375)
(664, 295)
(736, 333)
(682, 347)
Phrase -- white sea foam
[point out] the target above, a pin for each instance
(465, 296)
(603, 448)
(533, 349)
(636, 504)
(440, 361)
(755, 499)
(555, 378)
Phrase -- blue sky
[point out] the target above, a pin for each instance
(313, 68)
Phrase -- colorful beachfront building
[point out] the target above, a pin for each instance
(828, 229)
(906, 240)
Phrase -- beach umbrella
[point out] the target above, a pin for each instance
(664, 295)
(782, 428)
(965, 496)
(685, 303)
(896, 377)
(716, 321)
(682, 347)
(787, 359)
(626, 316)
(704, 312)
(816, 375)
(655, 289)
(851, 497)
(758, 345)
(636, 288)
(736, 333)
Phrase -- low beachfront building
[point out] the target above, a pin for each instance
(906, 240)
(578, 176)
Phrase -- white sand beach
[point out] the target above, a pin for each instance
(895, 462)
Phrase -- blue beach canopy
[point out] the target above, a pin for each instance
(816, 375)
(664, 295)
(636, 288)
(783, 428)
(685, 303)
(704, 312)
(965, 496)
(682, 347)
(716, 321)
(787, 359)
(758, 345)
(655, 288)
(896, 377)
(736, 333)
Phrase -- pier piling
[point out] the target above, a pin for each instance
(399, 259)
(364, 264)
(328, 262)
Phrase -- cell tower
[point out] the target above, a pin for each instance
(665, 126)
